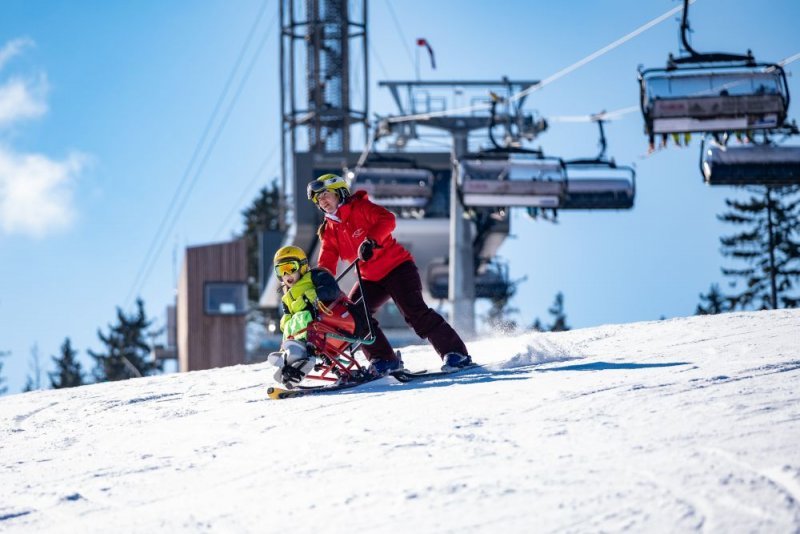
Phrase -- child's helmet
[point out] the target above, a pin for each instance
(289, 259)
(328, 182)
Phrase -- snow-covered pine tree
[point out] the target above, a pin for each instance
(127, 354)
(713, 302)
(768, 245)
(68, 372)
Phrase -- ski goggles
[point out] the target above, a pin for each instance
(319, 186)
(287, 267)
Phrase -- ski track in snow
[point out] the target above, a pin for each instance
(680, 425)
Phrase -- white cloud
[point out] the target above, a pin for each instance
(36, 192)
(13, 48)
(22, 99)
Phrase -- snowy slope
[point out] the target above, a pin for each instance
(679, 425)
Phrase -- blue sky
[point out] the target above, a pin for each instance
(102, 105)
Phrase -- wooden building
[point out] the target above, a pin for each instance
(212, 303)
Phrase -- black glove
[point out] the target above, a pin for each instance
(366, 250)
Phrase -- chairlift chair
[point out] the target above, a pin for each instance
(718, 99)
(507, 182)
(394, 187)
(491, 281)
(599, 186)
(753, 164)
(599, 183)
(714, 92)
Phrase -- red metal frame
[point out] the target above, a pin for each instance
(338, 361)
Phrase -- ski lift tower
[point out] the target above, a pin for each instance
(323, 43)
(420, 108)
(323, 48)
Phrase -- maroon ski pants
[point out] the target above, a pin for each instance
(403, 285)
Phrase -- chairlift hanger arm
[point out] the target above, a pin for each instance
(697, 57)
(497, 149)
(603, 143)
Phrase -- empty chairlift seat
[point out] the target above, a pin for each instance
(599, 185)
(697, 99)
(770, 165)
(512, 183)
(491, 282)
(394, 187)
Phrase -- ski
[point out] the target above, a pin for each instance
(302, 391)
(411, 376)
(402, 376)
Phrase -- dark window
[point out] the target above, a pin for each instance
(225, 298)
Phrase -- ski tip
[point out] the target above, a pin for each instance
(281, 393)
(277, 393)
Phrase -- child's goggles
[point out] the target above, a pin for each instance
(287, 267)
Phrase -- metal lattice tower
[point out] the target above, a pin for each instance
(328, 39)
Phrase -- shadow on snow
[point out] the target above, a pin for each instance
(483, 375)
(609, 366)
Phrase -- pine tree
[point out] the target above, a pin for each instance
(713, 303)
(537, 325)
(127, 354)
(68, 372)
(499, 314)
(768, 245)
(34, 381)
(559, 317)
(263, 214)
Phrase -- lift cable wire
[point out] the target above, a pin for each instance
(619, 113)
(402, 34)
(211, 146)
(377, 58)
(788, 60)
(536, 87)
(546, 81)
(247, 189)
(176, 206)
(597, 54)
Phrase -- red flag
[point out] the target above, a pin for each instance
(423, 42)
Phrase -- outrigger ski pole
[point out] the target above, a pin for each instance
(370, 339)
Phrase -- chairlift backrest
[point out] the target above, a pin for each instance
(489, 283)
(393, 186)
(769, 165)
(713, 98)
(599, 184)
(506, 183)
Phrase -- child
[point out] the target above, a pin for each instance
(303, 289)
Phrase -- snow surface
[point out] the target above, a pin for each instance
(678, 425)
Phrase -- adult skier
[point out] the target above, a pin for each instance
(354, 227)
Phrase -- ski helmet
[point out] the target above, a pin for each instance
(289, 259)
(328, 182)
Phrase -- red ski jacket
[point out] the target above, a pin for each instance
(361, 219)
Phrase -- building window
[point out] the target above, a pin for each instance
(225, 298)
